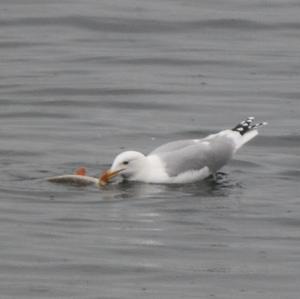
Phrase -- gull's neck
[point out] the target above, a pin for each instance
(151, 169)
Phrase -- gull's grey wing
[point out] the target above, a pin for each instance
(195, 155)
(174, 146)
(180, 144)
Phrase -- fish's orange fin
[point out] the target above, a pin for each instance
(80, 171)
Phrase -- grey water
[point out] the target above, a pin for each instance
(81, 81)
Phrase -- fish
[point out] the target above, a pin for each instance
(78, 178)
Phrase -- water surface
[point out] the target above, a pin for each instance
(81, 81)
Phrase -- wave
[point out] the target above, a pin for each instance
(136, 25)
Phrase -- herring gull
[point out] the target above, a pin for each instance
(182, 161)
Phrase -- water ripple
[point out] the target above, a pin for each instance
(135, 25)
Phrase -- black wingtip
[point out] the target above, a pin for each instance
(247, 125)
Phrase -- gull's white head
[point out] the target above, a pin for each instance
(126, 164)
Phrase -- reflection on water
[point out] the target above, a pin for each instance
(221, 186)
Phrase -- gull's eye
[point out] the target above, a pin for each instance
(125, 162)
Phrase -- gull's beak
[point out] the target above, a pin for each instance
(107, 175)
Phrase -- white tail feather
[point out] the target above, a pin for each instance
(245, 138)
